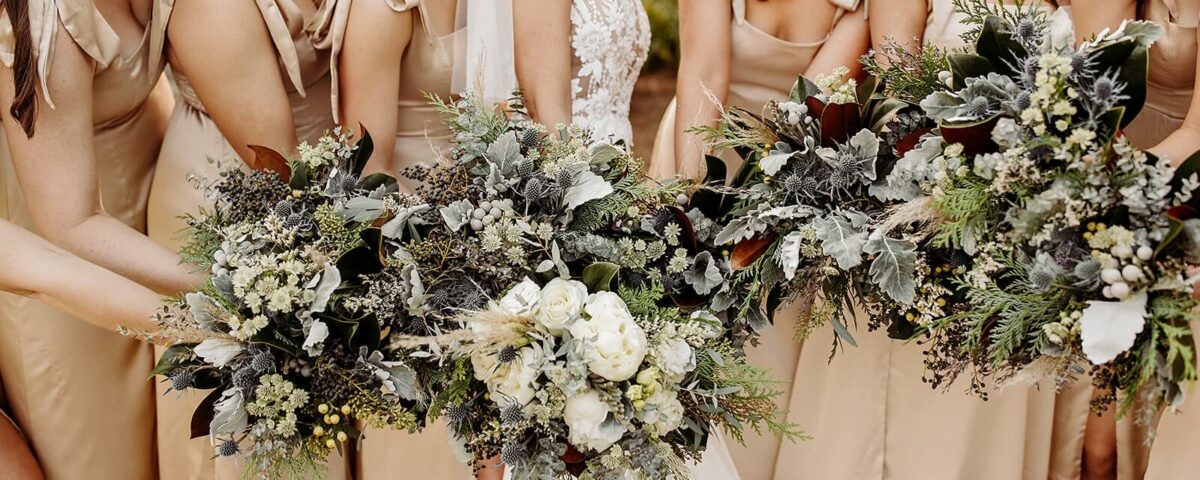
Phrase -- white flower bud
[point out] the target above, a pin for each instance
(478, 213)
(477, 225)
(1110, 275)
(1122, 251)
(1131, 273)
(1145, 253)
(1107, 292)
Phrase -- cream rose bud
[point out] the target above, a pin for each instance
(675, 358)
(560, 304)
(522, 299)
(588, 426)
(613, 344)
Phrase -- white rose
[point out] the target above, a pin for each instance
(512, 382)
(588, 423)
(675, 358)
(521, 299)
(663, 412)
(561, 303)
(613, 344)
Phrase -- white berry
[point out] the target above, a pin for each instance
(477, 224)
(1107, 291)
(1145, 253)
(1131, 273)
(1122, 251)
(1120, 290)
(1110, 275)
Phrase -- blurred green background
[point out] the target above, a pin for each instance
(664, 40)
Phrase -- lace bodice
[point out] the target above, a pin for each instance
(610, 39)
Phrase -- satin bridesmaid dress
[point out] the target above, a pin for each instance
(81, 394)
(421, 138)
(1172, 79)
(762, 68)
(194, 152)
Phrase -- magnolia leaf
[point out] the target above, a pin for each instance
(788, 255)
(173, 357)
(267, 159)
(405, 220)
(745, 253)
(841, 240)
(599, 276)
(894, 266)
(1108, 329)
(587, 187)
(204, 420)
(362, 152)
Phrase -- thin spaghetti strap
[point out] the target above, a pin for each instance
(739, 11)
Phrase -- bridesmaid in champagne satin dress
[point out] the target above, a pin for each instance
(761, 67)
(1167, 125)
(194, 152)
(386, 55)
(871, 414)
(69, 385)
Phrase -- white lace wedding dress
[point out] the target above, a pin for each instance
(610, 39)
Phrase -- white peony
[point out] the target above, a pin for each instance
(561, 304)
(613, 344)
(675, 358)
(588, 423)
(512, 382)
(663, 412)
(522, 299)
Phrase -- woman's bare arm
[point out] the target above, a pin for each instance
(899, 21)
(542, 46)
(1092, 16)
(225, 50)
(58, 174)
(849, 40)
(35, 268)
(372, 52)
(705, 45)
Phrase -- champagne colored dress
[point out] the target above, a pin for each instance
(1169, 94)
(873, 418)
(193, 153)
(421, 138)
(426, 68)
(80, 393)
(763, 68)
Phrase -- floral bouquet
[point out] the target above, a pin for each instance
(528, 281)
(1056, 241)
(292, 368)
(800, 214)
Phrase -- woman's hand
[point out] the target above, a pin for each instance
(493, 470)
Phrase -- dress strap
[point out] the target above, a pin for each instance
(281, 16)
(328, 32)
(83, 22)
(739, 11)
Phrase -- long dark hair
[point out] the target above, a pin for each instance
(25, 102)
